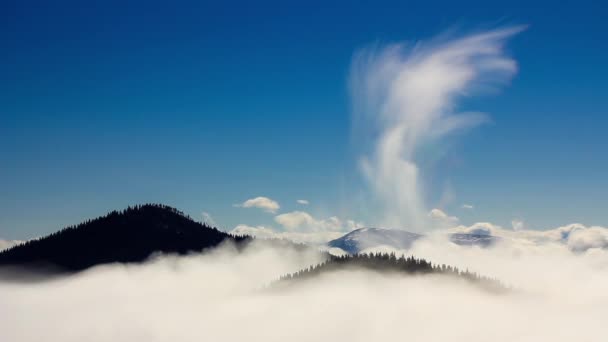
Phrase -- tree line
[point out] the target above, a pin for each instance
(390, 263)
(128, 235)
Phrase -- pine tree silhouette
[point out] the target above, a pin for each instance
(389, 263)
(130, 235)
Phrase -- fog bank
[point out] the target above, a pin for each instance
(216, 297)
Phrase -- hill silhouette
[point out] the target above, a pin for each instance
(388, 264)
(130, 235)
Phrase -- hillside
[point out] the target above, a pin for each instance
(388, 264)
(124, 236)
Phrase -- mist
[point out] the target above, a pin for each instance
(223, 295)
(405, 99)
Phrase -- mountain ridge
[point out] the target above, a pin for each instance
(360, 239)
(126, 236)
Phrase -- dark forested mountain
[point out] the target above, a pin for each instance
(363, 238)
(130, 235)
(388, 263)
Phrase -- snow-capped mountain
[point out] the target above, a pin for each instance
(364, 238)
(361, 239)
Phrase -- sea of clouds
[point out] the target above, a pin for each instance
(223, 295)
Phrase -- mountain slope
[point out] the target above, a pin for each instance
(387, 263)
(363, 238)
(126, 236)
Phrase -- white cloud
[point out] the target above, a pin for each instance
(576, 237)
(588, 238)
(295, 219)
(261, 202)
(303, 221)
(404, 98)
(303, 202)
(438, 217)
(317, 237)
(208, 219)
(467, 206)
(479, 228)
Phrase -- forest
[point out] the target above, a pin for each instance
(390, 263)
(125, 236)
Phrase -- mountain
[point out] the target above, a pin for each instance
(386, 263)
(363, 238)
(124, 236)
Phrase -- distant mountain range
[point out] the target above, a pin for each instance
(364, 238)
(131, 235)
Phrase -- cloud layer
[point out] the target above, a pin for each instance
(220, 296)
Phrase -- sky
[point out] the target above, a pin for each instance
(205, 105)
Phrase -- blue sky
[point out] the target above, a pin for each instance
(203, 105)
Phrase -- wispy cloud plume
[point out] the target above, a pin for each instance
(405, 96)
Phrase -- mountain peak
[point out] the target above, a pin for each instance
(128, 235)
(363, 238)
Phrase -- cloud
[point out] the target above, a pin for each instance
(404, 99)
(303, 221)
(517, 224)
(208, 219)
(588, 238)
(438, 217)
(479, 228)
(467, 206)
(576, 237)
(264, 203)
(303, 202)
(6, 244)
(317, 237)
(222, 295)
